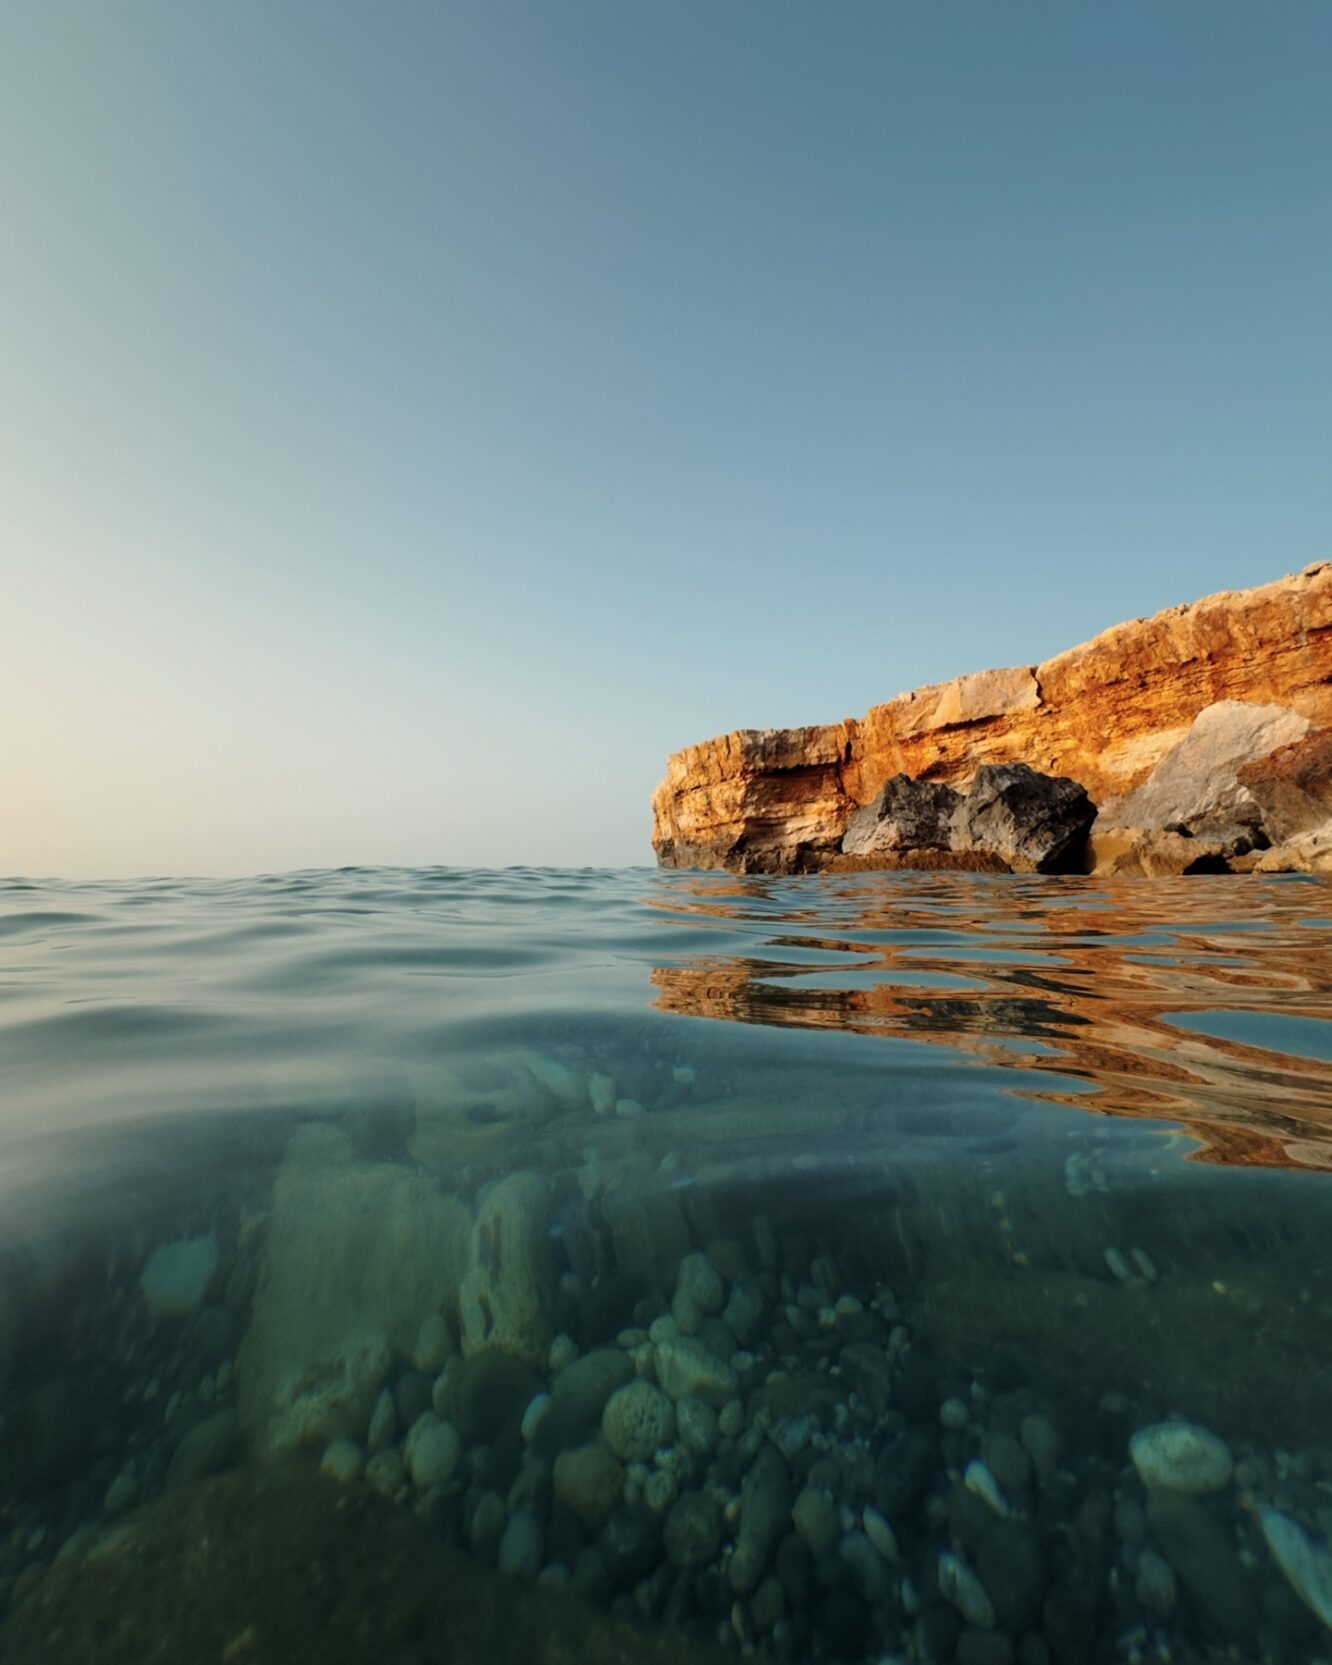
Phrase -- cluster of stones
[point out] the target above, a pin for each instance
(773, 1461)
(146, 1409)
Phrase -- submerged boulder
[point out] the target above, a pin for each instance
(505, 1298)
(355, 1255)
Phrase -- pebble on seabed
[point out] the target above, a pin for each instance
(964, 1590)
(434, 1453)
(783, 1460)
(344, 1461)
(522, 1545)
(1181, 1457)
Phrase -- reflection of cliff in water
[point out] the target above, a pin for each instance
(1071, 978)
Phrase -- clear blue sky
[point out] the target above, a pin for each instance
(419, 419)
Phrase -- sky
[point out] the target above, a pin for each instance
(417, 420)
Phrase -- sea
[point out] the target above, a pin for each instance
(529, 1264)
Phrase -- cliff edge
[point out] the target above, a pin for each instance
(1105, 714)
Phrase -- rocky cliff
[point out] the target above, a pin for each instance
(1105, 714)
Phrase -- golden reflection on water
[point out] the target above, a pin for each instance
(1074, 978)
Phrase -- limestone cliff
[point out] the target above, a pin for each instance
(1105, 713)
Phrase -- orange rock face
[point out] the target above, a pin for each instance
(778, 800)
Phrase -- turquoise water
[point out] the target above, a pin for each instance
(434, 1265)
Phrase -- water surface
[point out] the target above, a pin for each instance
(911, 1198)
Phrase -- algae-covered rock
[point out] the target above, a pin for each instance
(356, 1254)
(687, 1368)
(765, 1513)
(277, 1563)
(504, 1300)
(638, 1419)
(589, 1481)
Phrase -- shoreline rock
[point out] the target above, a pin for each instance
(1105, 715)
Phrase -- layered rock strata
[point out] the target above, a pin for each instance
(1104, 714)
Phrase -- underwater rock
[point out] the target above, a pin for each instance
(383, 1429)
(982, 1483)
(504, 1298)
(1011, 1568)
(1041, 1441)
(630, 1544)
(879, 1533)
(321, 1400)
(685, 1367)
(602, 1092)
(344, 1461)
(1155, 1584)
(434, 1344)
(765, 1509)
(816, 1519)
(522, 1545)
(273, 1563)
(411, 1396)
(122, 1493)
(1203, 1558)
(355, 1254)
(697, 1426)
(868, 1567)
(699, 1291)
(533, 1416)
(869, 1372)
(902, 1472)
(559, 1080)
(578, 1397)
(208, 1447)
(693, 1530)
(433, 1453)
(589, 1481)
(176, 1276)
(1006, 1460)
(382, 1115)
(1181, 1457)
(638, 1419)
(1307, 1566)
(743, 1313)
(489, 1394)
(385, 1474)
(960, 1586)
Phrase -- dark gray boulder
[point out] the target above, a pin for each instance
(906, 814)
(1013, 816)
(1035, 823)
